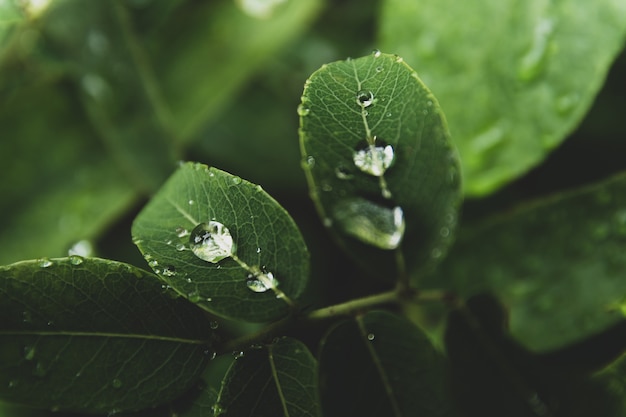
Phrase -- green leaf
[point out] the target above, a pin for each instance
(379, 162)
(557, 264)
(514, 78)
(250, 261)
(277, 379)
(210, 49)
(381, 365)
(87, 334)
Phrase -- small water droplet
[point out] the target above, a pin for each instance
(342, 173)
(388, 114)
(194, 297)
(180, 247)
(45, 263)
(76, 260)
(153, 263)
(191, 202)
(211, 242)
(258, 250)
(444, 232)
(376, 53)
(169, 271)
(364, 98)
(209, 299)
(379, 68)
(374, 159)
(371, 336)
(303, 110)
(189, 280)
(327, 222)
(182, 232)
(116, 383)
(534, 61)
(398, 58)
(370, 222)
(238, 354)
(214, 325)
(310, 161)
(436, 253)
(236, 180)
(95, 86)
(261, 282)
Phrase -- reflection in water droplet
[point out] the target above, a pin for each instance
(211, 242)
(261, 282)
(374, 160)
(364, 98)
(182, 232)
(370, 222)
(45, 263)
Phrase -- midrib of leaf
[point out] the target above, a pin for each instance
(283, 402)
(379, 367)
(105, 335)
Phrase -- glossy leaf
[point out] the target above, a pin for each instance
(263, 244)
(278, 379)
(557, 264)
(379, 162)
(92, 335)
(514, 78)
(381, 365)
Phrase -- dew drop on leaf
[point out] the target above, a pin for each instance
(364, 98)
(182, 232)
(371, 336)
(371, 223)
(116, 383)
(261, 282)
(374, 159)
(76, 260)
(211, 242)
(303, 110)
(45, 263)
(376, 53)
(169, 271)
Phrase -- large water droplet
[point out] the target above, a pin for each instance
(261, 282)
(211, 242)
(374, 159)
(364, 98)
(370, 222)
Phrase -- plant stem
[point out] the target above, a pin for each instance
(347, 308)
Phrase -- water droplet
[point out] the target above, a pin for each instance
(310, 161)
(376, 53)
(153, 263)
(261, 282)
(342, 173)
(444, 232)
(565, 104)
(533, 62)
(12, 384)
(326, 187)
(211, 242)
(169, 271)
(29, 353)
(189, 280)
(373, 159)
(45, 263)
(364, 98)
(182, 232)
(258, 250)
(214, 325)
(371, 336)
(327, 222)
(436, 253)
(370, 222)
(116, 383)
(236, 180)
(399, 58)
(76, 260)
(237, 354)
(194, 297)
(95, 86)
(388, 114)
(191, 202)
(379, 68)
(180, 247)
(303, 110)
